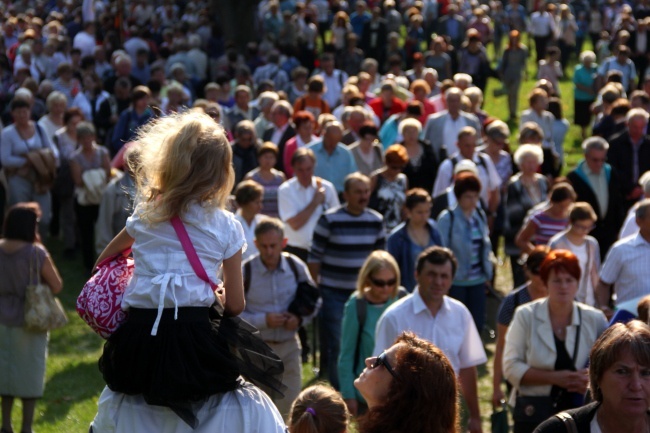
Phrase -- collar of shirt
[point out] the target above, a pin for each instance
(419, 305)
(588, 171)
(283, 266)
(639, 241)
(247, 114)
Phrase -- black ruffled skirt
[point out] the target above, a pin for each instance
(199, 354)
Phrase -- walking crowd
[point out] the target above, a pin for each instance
(345, 150)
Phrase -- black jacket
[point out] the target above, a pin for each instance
(607, 228)
(582, 417)
(620, 156)
(289, 133)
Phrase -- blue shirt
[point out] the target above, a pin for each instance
(584, 77)
(334, 167)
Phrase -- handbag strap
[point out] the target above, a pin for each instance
(577, 343)
(568, 421)
(190, 252)
(33, 267)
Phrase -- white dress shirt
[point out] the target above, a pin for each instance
(452, 329)
(450, 133)
(293, 198)
(628, 265)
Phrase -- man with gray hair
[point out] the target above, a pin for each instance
(265, 102)
(281, 129)
(597, 183)
(627, 265)
(442, 128)
(629, 154)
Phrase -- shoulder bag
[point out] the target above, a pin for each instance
(43, 311)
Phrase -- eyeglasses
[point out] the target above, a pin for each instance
(383, 283)
(584, 228)
(381, 360)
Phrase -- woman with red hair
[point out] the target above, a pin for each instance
(411, 387)
(547, 346)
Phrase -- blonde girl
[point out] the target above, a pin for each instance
(319, 409)
(174, 348)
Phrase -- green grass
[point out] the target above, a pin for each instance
(73, 381)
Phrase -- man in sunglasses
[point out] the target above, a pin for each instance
(445, 322)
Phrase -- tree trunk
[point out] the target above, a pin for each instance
(238, 20)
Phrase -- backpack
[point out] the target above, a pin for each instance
(481, 163)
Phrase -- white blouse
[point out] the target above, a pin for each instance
(163, 276)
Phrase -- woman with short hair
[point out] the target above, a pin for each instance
(547, 346)
(414, 235)
(389, 185)
(464, 230)
(525, 190)
(422, 166)
(545, 222)
(619, 371)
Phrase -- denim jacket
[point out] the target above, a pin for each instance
(455, 232)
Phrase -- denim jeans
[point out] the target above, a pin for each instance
(331, 316)
(474, 299)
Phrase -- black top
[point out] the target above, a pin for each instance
(564, 399)
(582, 417)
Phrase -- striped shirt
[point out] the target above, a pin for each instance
(341, 244)
(547, 227)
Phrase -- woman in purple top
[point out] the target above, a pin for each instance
(544, 223)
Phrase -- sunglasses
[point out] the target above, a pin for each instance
(383, 283)
(381, 360)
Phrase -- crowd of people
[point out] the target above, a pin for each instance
(346, 147)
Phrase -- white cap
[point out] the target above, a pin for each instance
(466, 165)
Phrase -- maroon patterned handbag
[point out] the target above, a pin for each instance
(100, 302)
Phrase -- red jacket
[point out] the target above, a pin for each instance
(378, 107)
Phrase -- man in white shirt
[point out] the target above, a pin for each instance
(302, 200)
(335, 80)
(627, 264)
(487, 172)
(434, 316)
(85, 40)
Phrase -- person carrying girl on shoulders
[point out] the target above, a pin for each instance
(181, 342)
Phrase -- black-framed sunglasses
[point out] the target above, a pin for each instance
(383, 283)
(382, 360)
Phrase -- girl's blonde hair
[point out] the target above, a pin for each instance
(319, 409)
(184, 157)
(377, 260)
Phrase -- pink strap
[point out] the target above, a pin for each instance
(190, 252)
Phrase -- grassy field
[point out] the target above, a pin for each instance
(74, 382)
